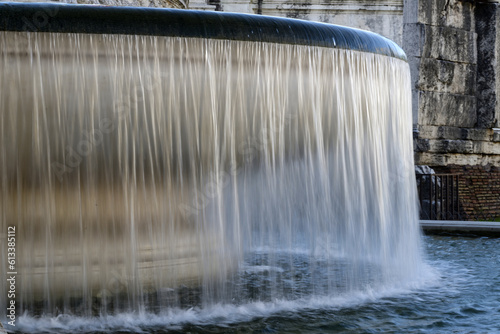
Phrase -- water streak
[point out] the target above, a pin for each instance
(141, 172)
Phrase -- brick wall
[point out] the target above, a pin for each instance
(479, 190)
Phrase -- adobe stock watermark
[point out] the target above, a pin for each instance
(11, 276)
(84, 147)
(91, 139)
(40, 19)
(247, 151)
(118, 283)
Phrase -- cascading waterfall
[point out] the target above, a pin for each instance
(151, 172)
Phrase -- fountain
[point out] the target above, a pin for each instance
(153, 159)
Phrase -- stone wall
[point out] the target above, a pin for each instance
(138, 3)
(488, 74)
(383, 16)
(453, 50)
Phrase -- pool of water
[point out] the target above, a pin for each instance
(459, 292)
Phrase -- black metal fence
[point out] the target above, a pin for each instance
(439, 196)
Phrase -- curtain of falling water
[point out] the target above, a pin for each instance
(147, 171)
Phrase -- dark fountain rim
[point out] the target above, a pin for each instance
(91, 19)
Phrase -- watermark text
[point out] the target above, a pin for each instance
(11, 275)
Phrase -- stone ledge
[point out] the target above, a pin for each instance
(451, 146)
(448, 132)
(479, 228)
(439, 159)
(457, 146)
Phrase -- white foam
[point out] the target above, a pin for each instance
(222, 314)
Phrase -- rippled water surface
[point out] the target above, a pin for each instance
(460, 293)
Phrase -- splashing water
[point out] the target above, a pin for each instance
(153, 173)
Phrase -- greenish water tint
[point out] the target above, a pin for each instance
(460, 293)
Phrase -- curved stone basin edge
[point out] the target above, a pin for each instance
(92, 19)
(470, 228)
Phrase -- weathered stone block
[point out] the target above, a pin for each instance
(413, 39)
(447, 132)
(440, 159)
(449, 44)
(449, 13)
(414, 63)
(496, 136)
(488, 76)
(428, 131)
(446, 76)
(485, 147)
(382, 16)
(442, 43)
(477, 134)
(447, 109)
(421, 145)
(451, 146)
(442, 132)
(431, 159)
